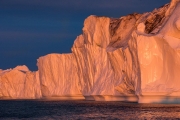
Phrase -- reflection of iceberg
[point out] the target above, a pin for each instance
(132, 58)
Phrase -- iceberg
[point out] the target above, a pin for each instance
(19, 83)
(134, 58)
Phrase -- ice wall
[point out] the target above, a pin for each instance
(19, 83)
(58, 75)
(121, 62)
(160, 65)
(103, 71)
(94, 70)
(158, 56)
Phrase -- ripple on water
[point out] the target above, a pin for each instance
(86, 110)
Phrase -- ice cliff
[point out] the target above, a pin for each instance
(19, 83)
(58, 75)
(131, 58)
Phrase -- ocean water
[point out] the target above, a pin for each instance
(26, 109)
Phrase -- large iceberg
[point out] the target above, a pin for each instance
(133, 58)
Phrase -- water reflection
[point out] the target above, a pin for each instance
(86, 110)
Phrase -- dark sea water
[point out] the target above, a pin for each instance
(21, 109)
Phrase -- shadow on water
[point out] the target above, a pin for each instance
(169, 100)
(31, 109)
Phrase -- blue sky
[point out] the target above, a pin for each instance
(33, 28)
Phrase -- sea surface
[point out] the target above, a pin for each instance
(30, 109)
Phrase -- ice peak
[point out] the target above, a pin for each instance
(22, 68)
